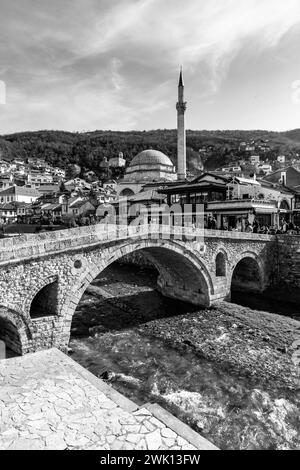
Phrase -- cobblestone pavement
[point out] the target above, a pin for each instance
(47, 401)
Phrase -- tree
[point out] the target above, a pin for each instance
(69, 220)
(63, 188)
(73, 171)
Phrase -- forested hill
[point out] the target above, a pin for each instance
(88, 149)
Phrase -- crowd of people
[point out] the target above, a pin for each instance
(284, 228)
(254, 226)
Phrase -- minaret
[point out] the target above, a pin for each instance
(181, 139)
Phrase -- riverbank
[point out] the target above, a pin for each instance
(226, 371)
(254, 343)
(244, 341)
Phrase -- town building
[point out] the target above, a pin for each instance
(231, 169)
(201, 190)
(35, 179)
(77, 185)
(235, 200)
(288, 176)
(147, 166)
(117, 162)
(250, 147)
(19, 194)
(52, 211)
(296, 211)
(49, 189)
(77, 207)
(271, 203)
(264, 168)
(24, 211)
(36, 162)
(8, 213)
(59, 172)
(6, 181)
(4, 167)
(254, 159)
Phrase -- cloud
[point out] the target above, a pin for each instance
(117, 79)
(83, 64)
(210, 32)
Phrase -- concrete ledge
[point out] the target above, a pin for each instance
(110, 392)
(35, 368)
(179, 427)
(158, 412)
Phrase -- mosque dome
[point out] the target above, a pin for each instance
(151, 157)
(150, 165)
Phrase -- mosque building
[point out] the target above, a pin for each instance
(152, 167)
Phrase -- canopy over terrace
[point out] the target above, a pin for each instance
(228, 212)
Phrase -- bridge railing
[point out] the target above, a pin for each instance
(27, 246)
(238, 235)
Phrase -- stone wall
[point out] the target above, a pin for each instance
(288, 264)
(136, 258)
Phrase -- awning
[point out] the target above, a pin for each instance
(265, 210)
(237, 214)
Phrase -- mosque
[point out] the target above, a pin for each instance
(154, 168)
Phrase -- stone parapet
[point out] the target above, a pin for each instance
(31, 246)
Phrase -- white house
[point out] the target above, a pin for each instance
(117, 162)
(19, 194)
(264, 168)
(254, 159)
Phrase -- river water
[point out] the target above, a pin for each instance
(109, 339)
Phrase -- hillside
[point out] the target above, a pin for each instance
(89, 149)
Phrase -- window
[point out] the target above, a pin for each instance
(174, 198)
(220, 265)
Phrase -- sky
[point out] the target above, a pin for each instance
(82, 65)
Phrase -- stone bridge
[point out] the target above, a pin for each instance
(43, 277)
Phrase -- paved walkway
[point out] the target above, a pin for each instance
(47, 401)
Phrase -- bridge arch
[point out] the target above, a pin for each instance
(127, 192)
(14, 331)
(248, 273)
(181, 274)
(43, 296)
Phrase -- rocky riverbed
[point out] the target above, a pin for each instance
(227, 371)
(256, 344)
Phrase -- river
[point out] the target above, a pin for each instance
(111, 339)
